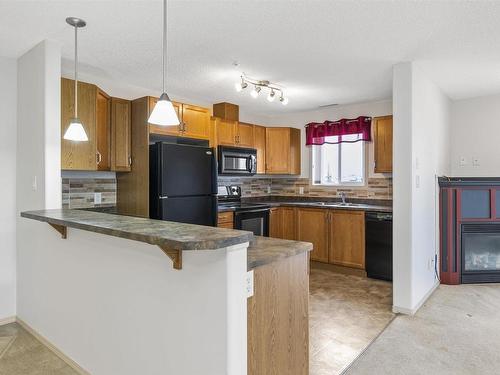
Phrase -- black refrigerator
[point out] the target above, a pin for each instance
(183, 183)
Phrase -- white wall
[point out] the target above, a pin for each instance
(8, 99)
(422, 117)
(475, 136)
(300, 119)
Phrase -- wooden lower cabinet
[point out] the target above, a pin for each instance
(312, 226)
(282, 223)
(225, 220)
(278, 318)
(347, 238)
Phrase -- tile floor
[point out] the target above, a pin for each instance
(346, 314)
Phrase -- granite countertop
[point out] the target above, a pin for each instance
(264, 250)
(175, 236)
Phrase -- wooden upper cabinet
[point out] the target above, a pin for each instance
(259, 142)
(383, 144)
(347, 239)
(196, 121)
(245, 135)
(94, 111)
(282, 151)
(121, 136)
(312, 226)
(226, 132)
(103, 130)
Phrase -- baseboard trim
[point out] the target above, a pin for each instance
(413, 311)
(75, 366)
(8, 320)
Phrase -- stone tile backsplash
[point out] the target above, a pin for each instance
(80, 192)
(377, 188)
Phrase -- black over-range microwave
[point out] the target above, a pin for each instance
(237, 161)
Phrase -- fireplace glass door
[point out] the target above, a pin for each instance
(480, 253)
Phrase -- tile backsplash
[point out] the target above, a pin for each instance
(80, 192)
(377, 188)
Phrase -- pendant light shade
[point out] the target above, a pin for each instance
(164, 112)
(76, 131)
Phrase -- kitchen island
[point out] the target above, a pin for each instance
(107, 297)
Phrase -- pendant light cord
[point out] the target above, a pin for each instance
(164, 57)
(76, 72)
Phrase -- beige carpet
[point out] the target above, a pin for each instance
(23, 354)
(456, 332)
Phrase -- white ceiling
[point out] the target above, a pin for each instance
(323, 52)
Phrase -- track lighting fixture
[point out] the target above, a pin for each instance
(258, 85)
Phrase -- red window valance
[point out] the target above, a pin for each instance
(358, 129)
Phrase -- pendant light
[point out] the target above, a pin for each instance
(164, 112)
(75, 131)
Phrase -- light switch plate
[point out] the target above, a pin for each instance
(475, 161)
(97, 198)
(249, 284)
(463, 161)
(301, 189)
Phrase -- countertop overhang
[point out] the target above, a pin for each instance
(173, 235)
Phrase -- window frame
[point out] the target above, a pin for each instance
(364, 173)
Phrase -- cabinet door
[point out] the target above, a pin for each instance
(289, 222)
(103, 131)
(196, 121)
(245, 135)
(121, 128)
(78, 155)
(226, 132)
(275, 223)
(165, 130)
(277, 150)
(312, 226)
(260, 145)
(383, 144)
(347, 240)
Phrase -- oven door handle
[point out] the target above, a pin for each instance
(249, 211)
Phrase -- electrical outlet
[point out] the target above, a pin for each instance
(430, 264)
(249, 284)
(475, 161)
(97, 198)
(268, 189)
(463, 161)
(301, 189)
(34, 184)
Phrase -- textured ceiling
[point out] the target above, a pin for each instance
(322, 52)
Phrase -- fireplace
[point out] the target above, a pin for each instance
(480, 253)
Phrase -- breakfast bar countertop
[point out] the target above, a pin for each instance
(176, 236)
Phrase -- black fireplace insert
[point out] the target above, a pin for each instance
(480, 253)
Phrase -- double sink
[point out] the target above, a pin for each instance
(328, 204)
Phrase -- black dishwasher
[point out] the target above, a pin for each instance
(379, 245)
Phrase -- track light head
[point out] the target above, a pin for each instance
(271, 95)
(283, 100)
(240, 86)
(255, 92)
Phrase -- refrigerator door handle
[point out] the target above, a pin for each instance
(163, 197)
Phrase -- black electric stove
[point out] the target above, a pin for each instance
(253, 217)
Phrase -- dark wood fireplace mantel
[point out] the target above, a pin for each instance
(464, 200)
